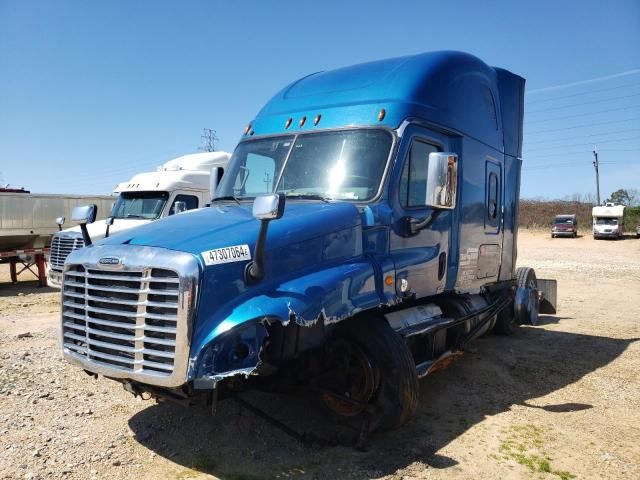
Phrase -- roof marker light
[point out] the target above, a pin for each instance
(302, 120)
(247, 129)
(288, 123)
(381, 114)
(316, 121)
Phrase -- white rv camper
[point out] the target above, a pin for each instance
(608, 221)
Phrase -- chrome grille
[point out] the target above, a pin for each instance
(61, 247)
(122, 319)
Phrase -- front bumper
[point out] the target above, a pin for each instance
(54, 278)
(563, 233)
(606, 234)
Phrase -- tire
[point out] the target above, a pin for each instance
(527, 303)
(553, 236)
(396, 398)
(506, 322)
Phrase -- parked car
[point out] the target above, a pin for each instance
(565, 226)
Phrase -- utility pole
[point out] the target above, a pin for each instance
(595, 164)
(209, 137)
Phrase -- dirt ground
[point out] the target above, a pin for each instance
(556, 401)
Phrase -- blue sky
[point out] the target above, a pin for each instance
(93, 92)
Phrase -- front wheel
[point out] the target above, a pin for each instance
(370, 373)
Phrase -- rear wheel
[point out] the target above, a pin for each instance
(527, 303)
(370, 374)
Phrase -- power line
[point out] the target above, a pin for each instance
(584, 103)
(581, 144)
(575, 152)
(581, 163)
(591, 135)
(582, 126)
(544, 100)
(584, 82)
(585, 114)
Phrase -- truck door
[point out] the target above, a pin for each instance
(420, 258)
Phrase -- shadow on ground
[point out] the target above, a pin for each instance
(550, 320)
(8, 289)
(499, 372)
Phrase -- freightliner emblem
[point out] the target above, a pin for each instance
(109, 261)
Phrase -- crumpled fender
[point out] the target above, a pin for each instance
(329, 295)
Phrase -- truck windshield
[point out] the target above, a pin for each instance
(346, 164)
(146, 205)
(606, 221)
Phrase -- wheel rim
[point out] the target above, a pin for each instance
(352, 379)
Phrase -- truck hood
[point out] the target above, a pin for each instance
(98, 229)
(227, 225)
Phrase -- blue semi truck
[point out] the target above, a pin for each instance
(363, 233)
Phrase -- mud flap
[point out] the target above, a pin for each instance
(548, 290)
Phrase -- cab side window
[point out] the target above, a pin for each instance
(414, 175)
(190, 200)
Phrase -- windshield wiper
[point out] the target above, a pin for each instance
(132, 215)
(227, 197)
(308, 196)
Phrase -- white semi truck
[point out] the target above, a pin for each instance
(608, 221)
(180, 184)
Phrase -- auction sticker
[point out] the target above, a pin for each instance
(237, 253)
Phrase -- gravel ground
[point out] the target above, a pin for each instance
(559, 400)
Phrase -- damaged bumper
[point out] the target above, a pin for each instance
(235, 352)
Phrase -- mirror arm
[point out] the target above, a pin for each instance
(416, 225)
(254, 271)
(85, 234)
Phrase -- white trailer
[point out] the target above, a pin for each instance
(27, 225)
(183, 182)
(608, 221)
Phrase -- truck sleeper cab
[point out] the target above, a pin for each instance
(146, 197)
(364, 232)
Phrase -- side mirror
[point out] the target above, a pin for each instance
(60, 222)
(268, 207)
(214, 180)
(265, 209)
(442, 180)
(179, 207)
(84, 215)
